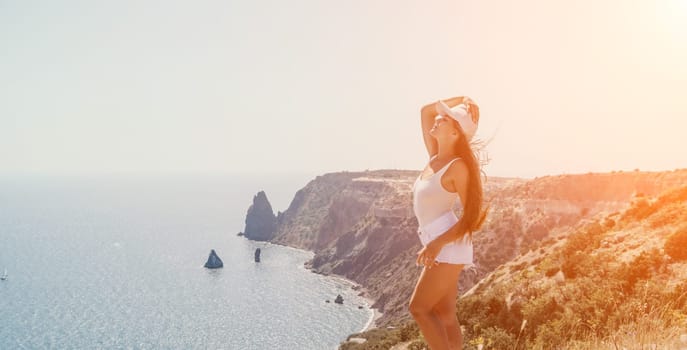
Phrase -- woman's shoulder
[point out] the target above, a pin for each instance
(457, 173)
(457, 169)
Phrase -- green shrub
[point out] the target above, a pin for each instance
(537, 260)
(539, 310)
(670, 214)
(418, 345)
(574, 265)
(609, 223)
(643, 267)
(676, 245)
(585, 239)
(674, 195)
(518, 267)
(497, 338)
(551, 335)
(552, 271)
(640, 209)
(409, 331)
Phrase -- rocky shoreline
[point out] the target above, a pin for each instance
(372, 324)
(362, 291)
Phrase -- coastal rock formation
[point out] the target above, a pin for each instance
(260, 220)
(214, 261)
(361, 226)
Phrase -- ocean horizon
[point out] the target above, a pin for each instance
(118, 263)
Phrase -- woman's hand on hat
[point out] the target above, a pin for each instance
(440, 107)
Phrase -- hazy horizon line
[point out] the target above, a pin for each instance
(125, 174)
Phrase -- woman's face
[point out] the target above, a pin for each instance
(444, 127)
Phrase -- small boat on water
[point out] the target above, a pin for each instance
(4, 275)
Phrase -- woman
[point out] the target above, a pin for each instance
(452, 173)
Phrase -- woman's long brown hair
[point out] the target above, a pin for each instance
(473, 211)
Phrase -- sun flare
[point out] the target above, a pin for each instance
(675, 17)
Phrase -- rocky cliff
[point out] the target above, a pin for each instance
(361, 225)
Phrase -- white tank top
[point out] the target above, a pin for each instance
(430, 199)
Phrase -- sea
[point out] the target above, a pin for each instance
(116, 262)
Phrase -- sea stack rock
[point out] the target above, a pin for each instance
(214, 261)
(260, 220)
(257, 255)
(339, 299)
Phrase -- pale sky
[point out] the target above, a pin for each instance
(131, 86)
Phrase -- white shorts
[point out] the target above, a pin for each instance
(458, 252)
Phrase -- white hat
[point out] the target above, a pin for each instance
(461, 115)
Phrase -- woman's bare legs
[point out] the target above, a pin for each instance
(445, 311)
(431, 288)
